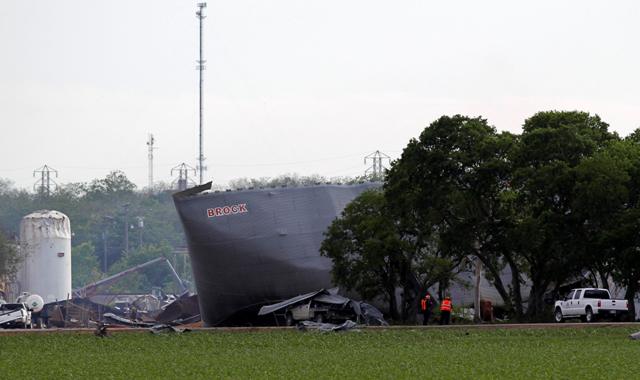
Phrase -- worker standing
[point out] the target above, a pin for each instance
(445, 311)
(426, 306)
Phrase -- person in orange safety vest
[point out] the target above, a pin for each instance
(445, 311)
(426, 306)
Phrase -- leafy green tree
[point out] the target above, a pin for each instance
(6, 185)
(98, 215)
(447, 191)
(371, 255)
(115, 182)
(84, 265)
(551, 147)
(625, 244)
(14, 204)
(367, 251)
(608, 203)
(292, 179)
(9, 258)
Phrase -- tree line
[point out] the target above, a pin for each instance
(556, 204)
(113, 227)
(101, 210)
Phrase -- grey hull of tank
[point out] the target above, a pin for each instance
(263, 247)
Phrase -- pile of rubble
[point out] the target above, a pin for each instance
(324, 306)
(90, 307)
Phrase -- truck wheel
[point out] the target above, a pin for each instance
(588, 317)
(558, 316)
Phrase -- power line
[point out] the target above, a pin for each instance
(150, 148)
(223, 164)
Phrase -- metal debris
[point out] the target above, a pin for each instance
(324, 306)
(164, 328)
(115, 319)
(348, 325)
(101, 330)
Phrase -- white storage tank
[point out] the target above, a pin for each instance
(45, 246)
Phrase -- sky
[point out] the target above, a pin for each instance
(307, 87)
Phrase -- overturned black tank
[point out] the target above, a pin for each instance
(253, 247)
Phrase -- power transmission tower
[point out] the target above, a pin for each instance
(45, 183)
(183, 180)
(377, 169)
(150, 148)
(201, 67)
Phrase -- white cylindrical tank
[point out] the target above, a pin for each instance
(45, 246)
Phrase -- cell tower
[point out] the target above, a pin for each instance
(201, 67)
(150, 142)
(45, 183)
(377, 169)
(183, 180)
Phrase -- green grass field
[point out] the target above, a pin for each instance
(458, 353)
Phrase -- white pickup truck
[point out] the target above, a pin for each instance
(589, 304)
(15, 315)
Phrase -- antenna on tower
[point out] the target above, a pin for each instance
(201, 67)
(45, 183)
(183, 180)
(150, 148)
(377, 169)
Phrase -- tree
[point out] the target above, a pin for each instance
(551, 147)
(608, 202)
(6, 185)
(447, 191)
(292, 179)
(9, 258)
(115, 182)
(366, 250)
(85, 268)
(99, 211)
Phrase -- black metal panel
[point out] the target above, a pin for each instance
(265, 251)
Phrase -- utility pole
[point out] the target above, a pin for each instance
(201, 67)
(108, 220)
(140, 228)
(476, 295)
(104, 246)
(377, 169)
(44, 184)
(183, 180)
(126, 228)
(150, 142)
